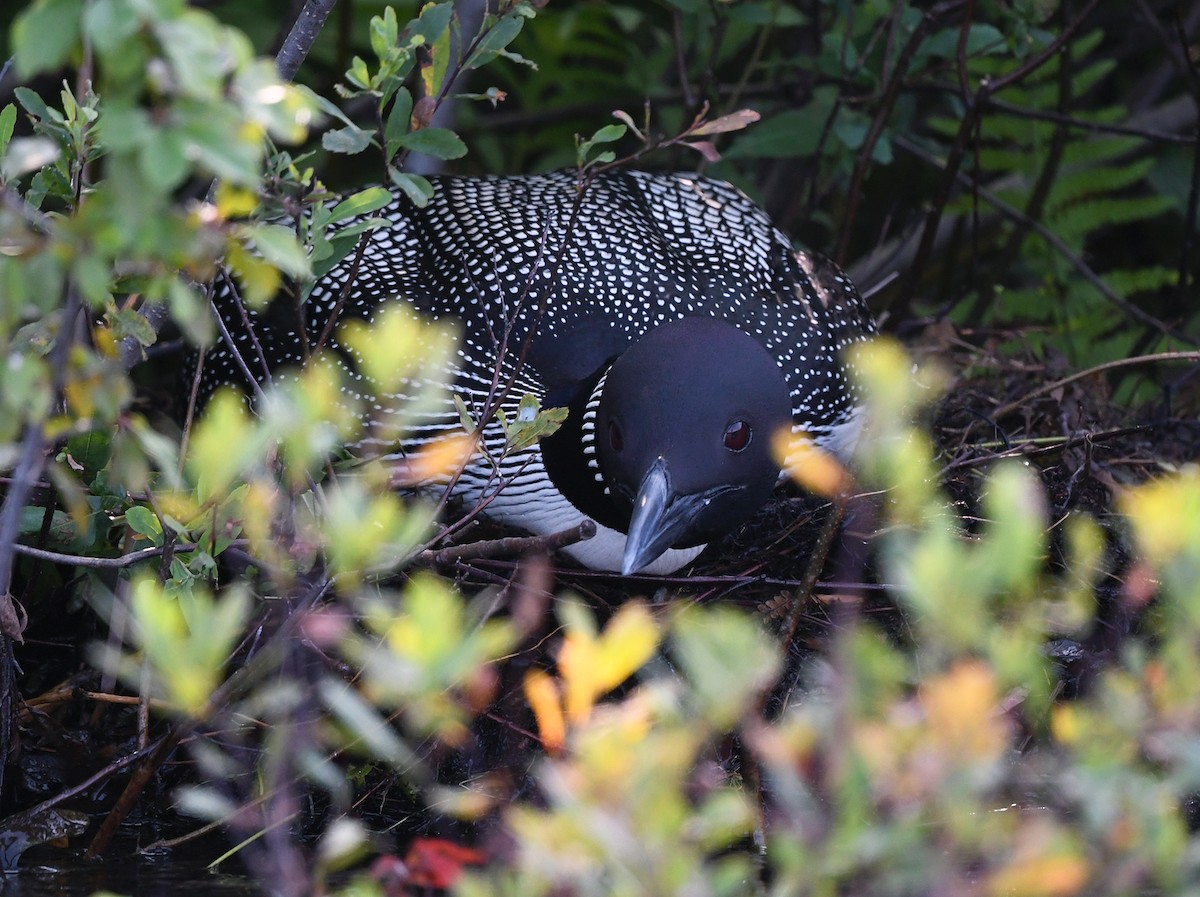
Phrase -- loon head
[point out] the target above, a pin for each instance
(683, 434)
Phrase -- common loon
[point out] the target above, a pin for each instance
(666, 312)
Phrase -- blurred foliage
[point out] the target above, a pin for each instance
(258, 585)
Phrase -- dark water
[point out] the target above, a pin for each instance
(64, 873)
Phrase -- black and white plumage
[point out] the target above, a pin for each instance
(576, 283)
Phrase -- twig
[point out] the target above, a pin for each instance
(117, 563)
(241, 679)
(295, 48)
(1098, 369)
(302, 37)
(1095, 127)
(30, 460)
(511, 545)
(83, 787)
(816, 562)
(863, 160)
(1019, 217)
(952, 168)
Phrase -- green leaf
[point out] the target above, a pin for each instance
(162, 159)
(398, 121)
(441, 143)
(127, 322)
(607, 134)
(124, 127)
(190, 311)
(981, 38)
(496, 39)
(8, 121)
(415, 187)
(350, 141)
(358, 74)
(384, 31)
(794, 132)
(780, 15)
(145, 522)
(90, 450)
(728, 659)
(217, 140)
(110, 23)
(530, 424)
(341, 244)
(464, 415)
(94, 277)
(433, 23)
(44, 35)
(361, 203)
(278, 246)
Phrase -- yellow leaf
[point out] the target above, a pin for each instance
(1166, 514)
(234, 201)
(592, 666)
(1064, 723)
(103, 340)
(628, 642)
(259, 279)
(577, 666)
(542, 695)
(397, 344)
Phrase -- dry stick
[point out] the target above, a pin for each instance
(954, 160)
(244, 675)
(512, 545)
(295, 48)
(1040, 194)
(99, 776)
(133, 789)
(1042, 445)
(1017, 216)
(117, 563)
(816, 562)
(891, 94)
(1100, 368)
(30, 461)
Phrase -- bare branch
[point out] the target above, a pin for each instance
(302, 37)
(512, 545)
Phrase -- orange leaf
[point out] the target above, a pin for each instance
(433, 461)
(542, 695)
(813, 468)
(963, 712)
(434, 863)
(1049, 876)
(734, 121)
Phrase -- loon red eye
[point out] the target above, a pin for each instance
(615, 439)
(737, 435)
